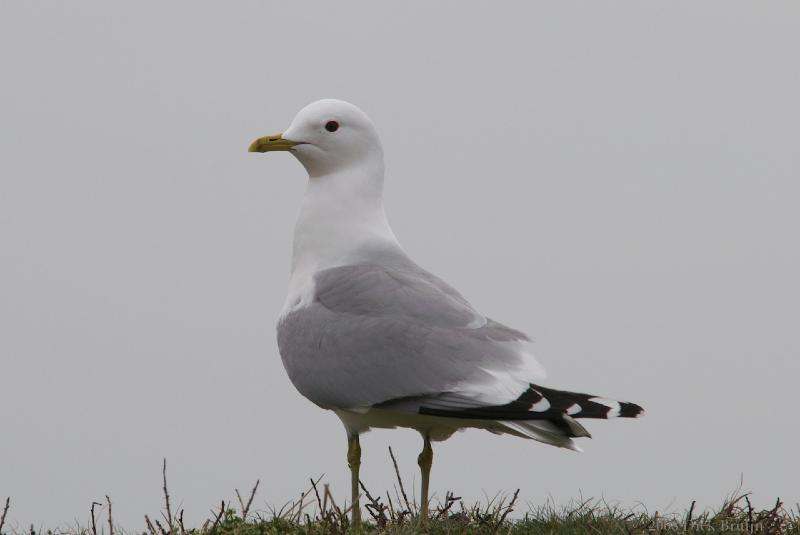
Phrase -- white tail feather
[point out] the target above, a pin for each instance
(540, 430)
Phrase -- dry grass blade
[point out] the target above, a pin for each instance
(689, 516)
(316, 493)
(150, 527)
(391, 506)
(91, 512)
(301, 505)
(580, 507)
(335, 517)
(5, 512)
(326, 516)
(375, 508)
(180, 522)
(218, 517)
(734, 501)
(168, 516)
(110, 516)
(772, 519)
(449, 500)
(399, 479)
(161, 528)
(508, 509)
(246, 507)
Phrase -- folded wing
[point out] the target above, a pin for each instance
(377, 333)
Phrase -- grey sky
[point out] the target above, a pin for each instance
(617, 179)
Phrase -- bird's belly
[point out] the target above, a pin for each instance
(436, 428)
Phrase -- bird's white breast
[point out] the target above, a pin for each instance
(335, 226)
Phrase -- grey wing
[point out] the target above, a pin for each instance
(375, 334)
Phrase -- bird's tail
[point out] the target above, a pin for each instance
(543, 431)
(549, 415)
(546, 414)
(550, 402)
(541, 403)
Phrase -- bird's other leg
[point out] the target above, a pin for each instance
(354, 462)
(425, 460)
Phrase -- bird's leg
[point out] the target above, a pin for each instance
(354, 462)
(425, 460)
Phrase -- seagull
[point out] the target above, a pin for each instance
(367, 333)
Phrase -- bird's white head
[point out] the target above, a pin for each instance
(341, 214)
(328, 137)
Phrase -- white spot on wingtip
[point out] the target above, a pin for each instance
(574, 409)
(542, 405)
(611, 404)
(476, 323)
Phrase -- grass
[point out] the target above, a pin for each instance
(315, 512)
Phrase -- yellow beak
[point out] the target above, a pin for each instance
(272, 143)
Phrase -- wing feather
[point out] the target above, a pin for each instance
(375, 333)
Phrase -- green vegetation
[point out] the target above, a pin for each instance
(453, 517)
(315, 512)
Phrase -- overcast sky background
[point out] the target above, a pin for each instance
(619, 179)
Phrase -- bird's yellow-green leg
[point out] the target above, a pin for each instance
(425, 460)
(354, 462)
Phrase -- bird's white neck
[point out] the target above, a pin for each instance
(341, 216)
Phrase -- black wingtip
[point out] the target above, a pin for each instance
(630, 410)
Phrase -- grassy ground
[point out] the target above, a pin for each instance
(316, 513)
(454, 517)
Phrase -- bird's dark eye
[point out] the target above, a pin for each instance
(331, 126)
